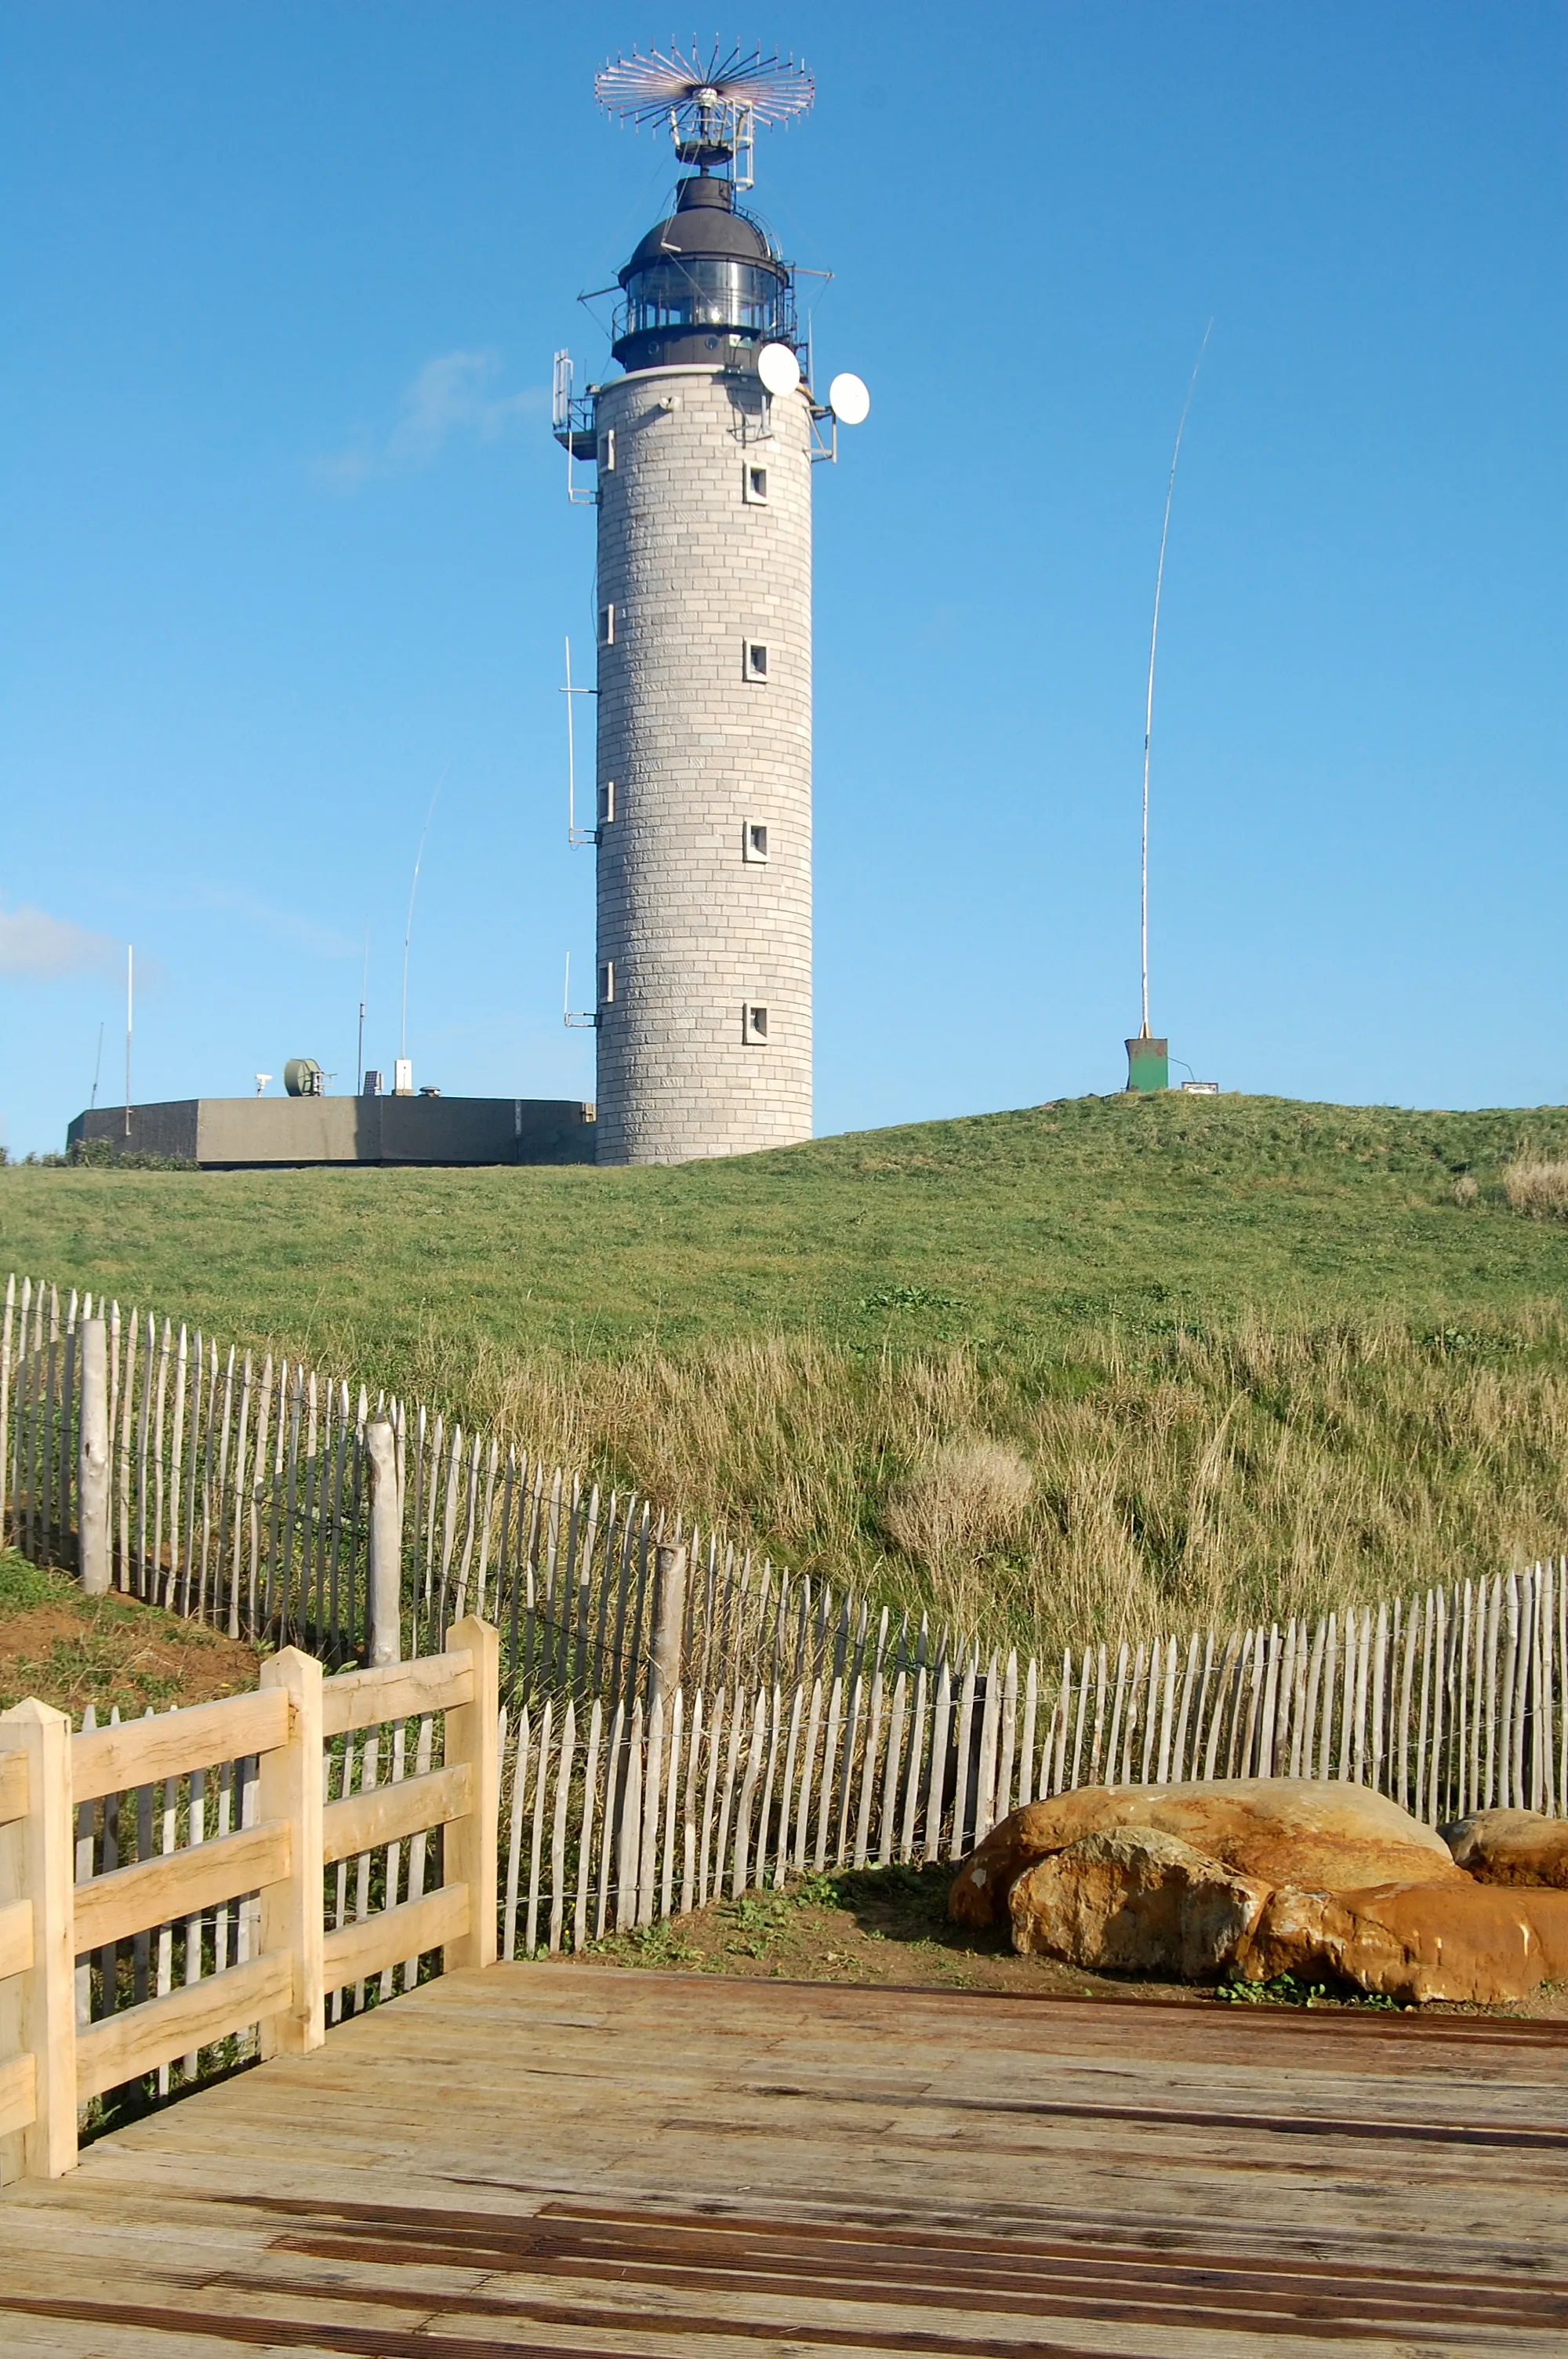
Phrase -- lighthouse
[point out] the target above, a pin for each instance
(702, 448)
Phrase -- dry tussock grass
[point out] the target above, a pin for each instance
(1132, 1487)
(1537, 1187)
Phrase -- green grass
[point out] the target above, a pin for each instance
(1214, 1349)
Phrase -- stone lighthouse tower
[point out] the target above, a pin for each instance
(702, 449)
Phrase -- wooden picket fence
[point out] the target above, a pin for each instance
(809, 1729)
(615, 1819)
(238, 1493)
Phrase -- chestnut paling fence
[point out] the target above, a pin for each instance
(182, 1890)
(238, 1490)
(677, 1724)
(616, 1817)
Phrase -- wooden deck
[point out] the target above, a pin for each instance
(554, 2160)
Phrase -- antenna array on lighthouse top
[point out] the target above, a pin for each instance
(712, 105)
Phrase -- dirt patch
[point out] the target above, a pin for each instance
(890, 1925)
(69, 1650)
(864, 1925)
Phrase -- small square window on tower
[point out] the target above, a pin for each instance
(755, 665)
(607, 803)
(607, 626)
(606, 983)
(754, 1026)
(754, 486)
(607, 452)
(754, 841)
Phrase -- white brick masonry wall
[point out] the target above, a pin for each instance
(694, 932)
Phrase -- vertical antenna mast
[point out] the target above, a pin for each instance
(408, 927)
(364, 978)
(1149, 706)
(575, 834)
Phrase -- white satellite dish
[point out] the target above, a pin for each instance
(778, 368)
(848, 401)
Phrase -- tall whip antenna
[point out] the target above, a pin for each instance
(1153, 638)
(408, 927)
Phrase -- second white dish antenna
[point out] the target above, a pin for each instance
(848, 399)
(778, 368)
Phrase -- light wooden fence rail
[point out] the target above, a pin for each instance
(249, 1871)
(234, 1877)
(238, 1492)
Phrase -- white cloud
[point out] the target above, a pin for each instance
(33, 944)
(455, 395)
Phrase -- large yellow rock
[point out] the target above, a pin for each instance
(1517, 1847)
(1413, 1941)
(1316, 1833)
(1135, 1901)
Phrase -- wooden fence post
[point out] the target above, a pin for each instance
(92, 1459)
(38, 1996)
(669, 1624)
(290, 1788)
(472, 1735)
(383, 1582)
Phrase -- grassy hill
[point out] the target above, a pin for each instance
(1095, 1364)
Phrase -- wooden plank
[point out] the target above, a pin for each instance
(888, 1820)
(471, 1847)
(418, 1849)
(435, 1922)
(36, 1864)
(937, 1775)
(957, 1843)
(589, 1798)
(766, 1823)
(15, 1937)
(397, 1692)
(288, 1787)
(179, 1884)
(829, 1773)
(1027, 1760)
(535, 1853)
(18, 2095)
(915, 1759)
(986, 1768)
(125, 2046)
(387, 1813)
(137, 1752)
(520, 1758)
(740, 1867)
(13, 1787)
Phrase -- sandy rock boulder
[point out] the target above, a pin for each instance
(1515, 1847)
(1412, 1942)
(1135, 1900)
(1314, 1833)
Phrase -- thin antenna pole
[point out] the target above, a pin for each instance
(130, 1013)
(408, 927)
(364, 977)
(571, 758)
(1153, 637)
(97, 1068)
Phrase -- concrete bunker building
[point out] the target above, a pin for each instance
(703, 450)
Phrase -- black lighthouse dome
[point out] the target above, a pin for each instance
(706, 286)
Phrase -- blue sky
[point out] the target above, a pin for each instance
(286, 542)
